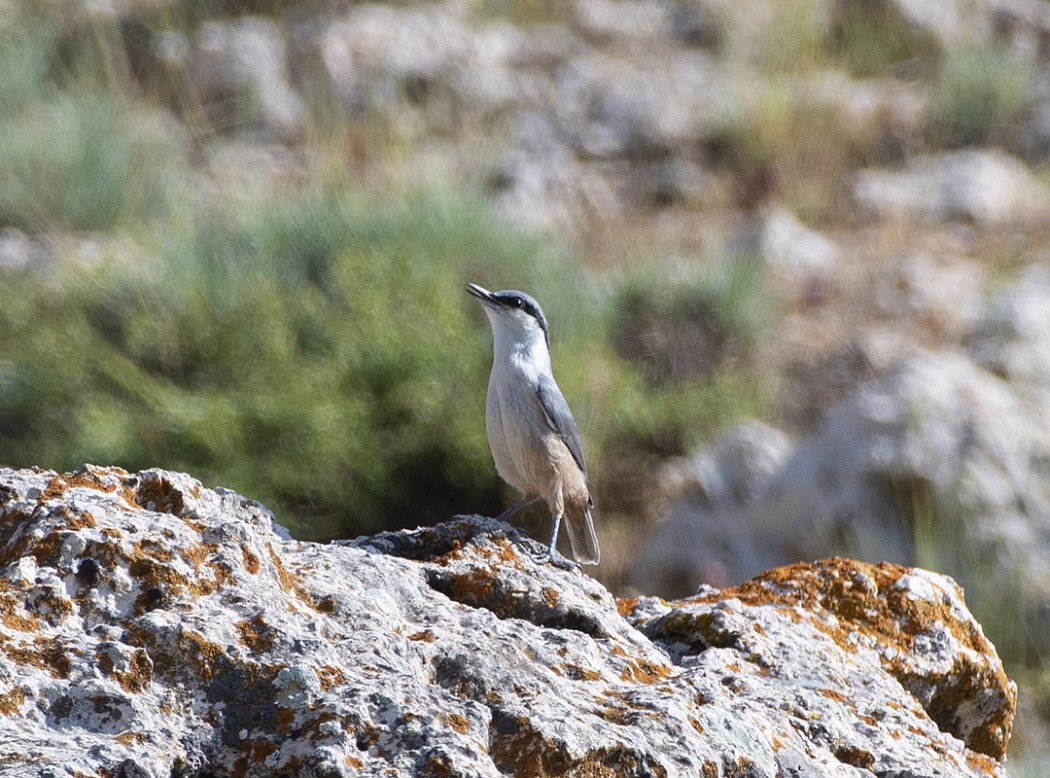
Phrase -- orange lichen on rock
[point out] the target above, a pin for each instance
(290, 582)
(11, 616)
(11, 701)
(138, 676)
(285, 718)
(251, 561)
(577, 673)
(474, 586)
(644, 671)
(47, 653)
(330, 676)
(90, 478)
(888, 605)
(458, 722)
(519, 749)
(132, 738)
(206, 653)
(454, 552)
(626, 605)
(503, 553)
(163, 496)
(256, 634)
(191, 651)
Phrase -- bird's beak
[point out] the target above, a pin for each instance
(481, 293)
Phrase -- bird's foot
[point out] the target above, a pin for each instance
(554, 557)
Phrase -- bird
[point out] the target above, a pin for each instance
(534, 440)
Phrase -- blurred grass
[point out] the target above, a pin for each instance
(871, 38)
(977, 94)
(73, 156)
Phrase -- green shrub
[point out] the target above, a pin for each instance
(73, 154)
(871, 38)
(690, 339)
(976, 96)
(695, 325)
(795, 36)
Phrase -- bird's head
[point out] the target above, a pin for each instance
(513, 314)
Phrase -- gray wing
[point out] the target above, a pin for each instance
(559, 417)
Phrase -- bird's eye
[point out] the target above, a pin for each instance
(517, 302)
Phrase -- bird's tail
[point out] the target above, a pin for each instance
(581, 533)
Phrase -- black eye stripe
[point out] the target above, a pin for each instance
(513, 299)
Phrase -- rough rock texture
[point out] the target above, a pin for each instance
(149, 626)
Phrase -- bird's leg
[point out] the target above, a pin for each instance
(524, 501)
(551, 554)
(552, 546)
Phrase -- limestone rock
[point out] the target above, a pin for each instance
(1013, 337)
(941, 461)
(910, 623)
(150, 626)
(241, 65)
(426, 57)
(986, 187)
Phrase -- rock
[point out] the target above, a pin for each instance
(908, 622)
(793, 250)
(546, 191)
(605, 20)
(945, 294)
(986, 187)
(697, 24)
(1013, 338)
(733, 473)
(938, 440)
(241, 65)
(150, 626)
(19, 252)
(940, 462)
(427, 59)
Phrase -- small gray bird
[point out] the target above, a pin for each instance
(531, 432)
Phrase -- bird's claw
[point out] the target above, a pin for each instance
(554, 557)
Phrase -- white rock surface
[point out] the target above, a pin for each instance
(986, 187)
(245, 61)
(1013, 338)
(152, 627)
(793, 249)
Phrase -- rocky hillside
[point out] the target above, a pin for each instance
(152, 627)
